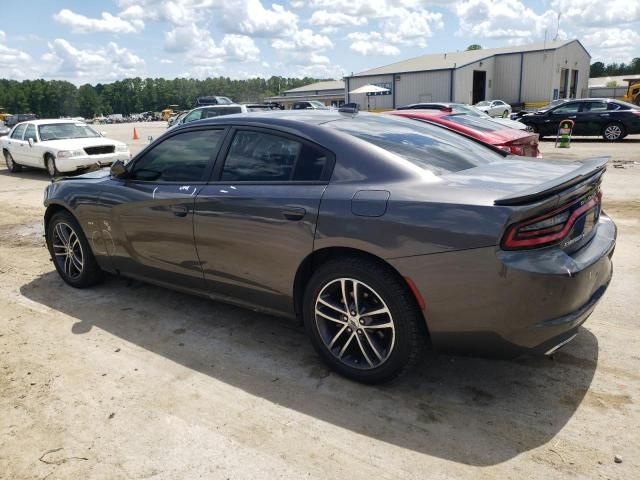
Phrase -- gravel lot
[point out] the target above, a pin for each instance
(128, 380)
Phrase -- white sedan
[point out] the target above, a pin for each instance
(59, 146)
(494, 108)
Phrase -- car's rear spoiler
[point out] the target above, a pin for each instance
(587, 169)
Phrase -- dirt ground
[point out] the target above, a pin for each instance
(128, 380)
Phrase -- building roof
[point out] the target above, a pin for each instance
(602, 81)
(318, 86)
(451, 60)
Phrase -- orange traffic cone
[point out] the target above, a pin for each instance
(135, 134)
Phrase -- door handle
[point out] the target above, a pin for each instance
(179, 211)
(572, 116)
(294, 213)
(604, 114)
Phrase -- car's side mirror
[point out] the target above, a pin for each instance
(119, 169)
(31, 142)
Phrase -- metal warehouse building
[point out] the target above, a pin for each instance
(331, 93)
(535, 73)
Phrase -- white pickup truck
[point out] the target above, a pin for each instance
(59, 146)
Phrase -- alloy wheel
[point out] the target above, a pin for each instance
(355, 324)
(68, 250)
(612, 132)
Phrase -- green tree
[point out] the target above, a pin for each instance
(474, 46)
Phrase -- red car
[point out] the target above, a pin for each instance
(516, 142)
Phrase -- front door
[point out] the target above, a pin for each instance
(551, 121)
(255, 223)
(150, 232)
(33, 156)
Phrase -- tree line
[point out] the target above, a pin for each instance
(599, 69)
(58, 98)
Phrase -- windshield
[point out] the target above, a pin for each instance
(483, 104)
(428, 146)
(58, 131)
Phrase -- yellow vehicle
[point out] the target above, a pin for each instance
(3, 115)
(633, 91)
(168, 112)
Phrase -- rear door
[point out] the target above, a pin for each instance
(16, 144)
(593, 115)
(255, 222)
(150, 234)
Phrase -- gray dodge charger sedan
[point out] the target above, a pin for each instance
(383, 235)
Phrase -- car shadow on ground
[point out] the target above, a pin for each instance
(469, 410)
(27, 174)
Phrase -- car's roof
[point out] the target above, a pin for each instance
(281, 117)
(49, 121)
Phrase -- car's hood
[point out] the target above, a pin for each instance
(73, 143)
(510, 123)
(91, 176)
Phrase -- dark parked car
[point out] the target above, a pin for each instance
(382, 234)
(212, 100)
(612, 119)
(518, 115)
(13, 120)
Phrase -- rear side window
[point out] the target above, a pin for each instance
(18, 131)
(477, 123)
(218, 112)
(180, 158)
(595, 106)
(428, 146)
(263, 157)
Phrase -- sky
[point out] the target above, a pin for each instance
(96, 41)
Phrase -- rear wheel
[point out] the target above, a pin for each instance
(12, 166)
(50, 163)
(612, 132)
(363, 320)
(70, 251)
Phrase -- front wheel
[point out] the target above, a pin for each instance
(505, 114)
(12, 166)
(70, 251)
(363, 320)
(613, 132)
(50, 163)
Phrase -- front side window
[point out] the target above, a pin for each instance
(569, 108)
(181, 158)
(30, 133)
(263, 157)
(193, 116)
(18, 131)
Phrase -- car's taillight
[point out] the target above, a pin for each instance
(513, 149)
(551, 227)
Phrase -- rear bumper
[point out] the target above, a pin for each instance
(78, 163)
(491, 302)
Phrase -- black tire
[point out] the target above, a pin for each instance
(50, 165)
(405, 343)
(505, 114)
(90, 273)
(12, 166)
(535, 129)
(613, 132)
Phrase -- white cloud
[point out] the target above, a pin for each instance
(251, 18)
(325, 18)
(81, 24)
(13, 63)
(503, 19)
(612, 44)
(303, 40)
(92, 65)
(410, 27)
(597, 13)
(166, 61)
(371, 43)
(240, 48)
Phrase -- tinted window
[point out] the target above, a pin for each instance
(217, 112)
(30, 132)
(477, 123)
(568, 108)
(19, 130)
(193, 116)
(428, 146)
(263, 157)
(180, 158)
(595, 106)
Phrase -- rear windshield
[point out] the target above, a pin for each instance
(428, 146)
(477, 123)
